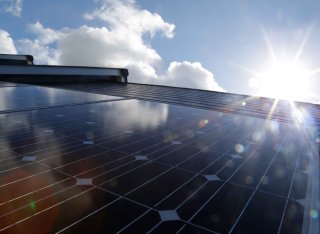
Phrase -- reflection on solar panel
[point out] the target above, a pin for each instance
(82, 162)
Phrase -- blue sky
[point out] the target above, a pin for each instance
(203, 44)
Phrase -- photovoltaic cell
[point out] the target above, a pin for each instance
(229, 173)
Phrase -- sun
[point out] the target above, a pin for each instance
(282, 80)
(285, 75)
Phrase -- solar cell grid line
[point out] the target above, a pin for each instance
(11, 163)
(28, 148)
(144, 164)
(75, 122)
(16, 146)
(98, 142)
(76, 131)
(193, 155)
(102, 166)
(72, 124)
(314, 223)
(264, 192)
(122, 197)
(148, 137)
(224, 183)
(148, 181)
(6, 154)
(188, 228)
(42, 130)
(195, 192)
(288, 196)
(80, 153)
(129, 156)
(114, 171)
(19, 143)
(199, 173)
(18, 167)
(18, 198)
(25, 136)
(127, 172)
(256, 188)
(96, 211)
(24, 178)
(30, 178)
(190, 196)
(93, 213)
(143, 224)
(36, 201)
(124, 228)
(16, 136)
(21, 166)
(38, 213)
(82, 159)
(7, 207)
(42, 153)
(122, 134)
(179, 230)
(75, 140)
(154, 178)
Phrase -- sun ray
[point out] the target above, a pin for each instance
(246, 69)
(303, 43)
(272, 109)
(269, 45)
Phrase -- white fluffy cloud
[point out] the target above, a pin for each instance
(42, 47)
(13, 7)
(124, 15)
(190, 75)
(119, 43)
(100, 46)
(6, 45)
(43, 53)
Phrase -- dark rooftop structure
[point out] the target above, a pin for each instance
(83, 150)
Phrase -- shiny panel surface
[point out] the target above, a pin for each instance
(135, 167)
(25, 97)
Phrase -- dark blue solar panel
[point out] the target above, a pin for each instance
(136, 167)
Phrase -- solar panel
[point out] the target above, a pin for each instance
(110, 165)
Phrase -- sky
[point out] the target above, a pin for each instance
(267, 48)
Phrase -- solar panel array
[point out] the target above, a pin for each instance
(99, 163)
